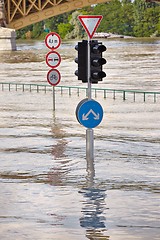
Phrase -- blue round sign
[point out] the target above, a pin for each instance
(89, 113)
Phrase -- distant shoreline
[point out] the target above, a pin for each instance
(109, 35)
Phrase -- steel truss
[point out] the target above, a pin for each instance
(21, 13)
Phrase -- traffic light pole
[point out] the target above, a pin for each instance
(89, 131)
(89, 71)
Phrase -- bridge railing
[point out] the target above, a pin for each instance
(105, 92)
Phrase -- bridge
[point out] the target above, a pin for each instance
(16, 14)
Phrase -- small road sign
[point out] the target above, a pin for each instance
(89, 113)
(90, 23)
(53, 59)
(52, 40)
(53, 77)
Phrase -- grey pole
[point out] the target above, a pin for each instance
(89, 72)
(89, 132)
(89, 146)
(54, 104)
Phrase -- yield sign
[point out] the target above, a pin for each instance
(90, 23)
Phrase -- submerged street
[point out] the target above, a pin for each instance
(47, 189)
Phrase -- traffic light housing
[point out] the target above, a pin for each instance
(96, 61)
(82, 61)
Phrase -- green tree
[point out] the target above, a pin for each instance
(139, 17)
(158, 29)
(77, 29)
(102, 9)
(53, 22)
(126, 17)
(146, 18)
(117, 16)
(21, 33)
(37, 29)
(64, 29)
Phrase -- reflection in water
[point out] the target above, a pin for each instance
(57, 175)
(93, 219)
(59, 149)
(93, 208)
(96, 234)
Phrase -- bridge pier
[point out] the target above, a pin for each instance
(7, 35)
(7, 39)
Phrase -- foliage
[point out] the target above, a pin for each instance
(146, 18)
(64, 28)
(77, 29)
(37, 30)
(125, 17)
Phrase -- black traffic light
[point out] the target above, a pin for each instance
(82, 61)
(96, 61)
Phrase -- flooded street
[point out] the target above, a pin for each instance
(47, 188)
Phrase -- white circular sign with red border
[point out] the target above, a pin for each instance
(52, 40)
(53, 59)
(53, 77)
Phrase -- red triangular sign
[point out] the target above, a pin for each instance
(90, 23)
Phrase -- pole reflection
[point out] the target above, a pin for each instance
(93, 219)
(58, 174)
(58, 150)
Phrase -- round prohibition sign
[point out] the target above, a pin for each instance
(52, 40)
(53, 77)
(53, 59)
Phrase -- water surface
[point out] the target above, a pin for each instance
(47, 188)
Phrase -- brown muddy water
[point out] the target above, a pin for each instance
(47, 189)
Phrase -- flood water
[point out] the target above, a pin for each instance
(47, 188)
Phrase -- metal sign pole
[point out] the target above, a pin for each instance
(89, 146)
(90, 24)
(89, 132)
(53, 59)
(89, 72)
(54, 104)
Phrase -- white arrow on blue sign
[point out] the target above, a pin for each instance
(89, 113)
